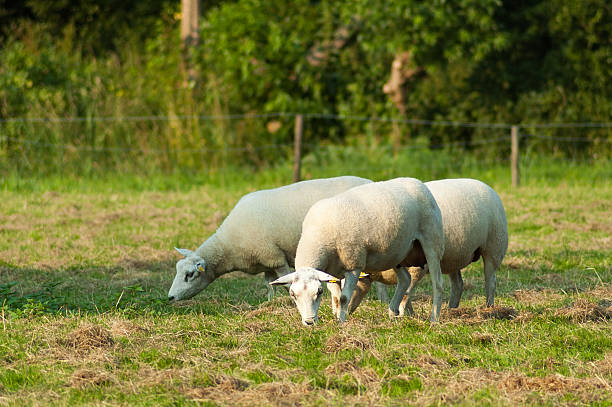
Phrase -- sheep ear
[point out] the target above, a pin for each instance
(284, 280)
(323, 276)
(184, 252)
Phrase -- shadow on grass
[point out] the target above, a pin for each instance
(138, 287)
(131, 286)
(564, 271)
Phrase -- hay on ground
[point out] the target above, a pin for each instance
(342, 341)
(465, 315)
(88, 337)
(536, 297)
(90, 377)
(583, 311)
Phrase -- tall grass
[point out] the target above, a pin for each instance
(374, 162)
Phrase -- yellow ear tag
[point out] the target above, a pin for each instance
(361, 275)
(201, 268)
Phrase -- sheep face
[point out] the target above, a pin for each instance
(306, 291)
(191, 277)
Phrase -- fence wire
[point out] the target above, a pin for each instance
(323, 116)
(326, 116)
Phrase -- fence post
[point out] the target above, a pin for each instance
(514, 156)
(190, 34)
(297, 152)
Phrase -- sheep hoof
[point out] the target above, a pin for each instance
(393, 314)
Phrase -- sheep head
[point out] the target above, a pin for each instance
(191, 277)
(306, 291)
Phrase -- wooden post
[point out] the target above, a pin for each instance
(297, 152)
(514, 156)
(190, 34)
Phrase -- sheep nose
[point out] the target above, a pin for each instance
(171, 298)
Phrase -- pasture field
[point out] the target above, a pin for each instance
(84, 274)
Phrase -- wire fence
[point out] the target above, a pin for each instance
(510, 134)
(162, 118)
(446, 123)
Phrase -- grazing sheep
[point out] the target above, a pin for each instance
(371, 228)
(475, 226)
(260, 234)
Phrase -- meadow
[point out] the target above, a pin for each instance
(85, 265)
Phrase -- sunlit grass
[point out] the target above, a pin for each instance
(85, 268)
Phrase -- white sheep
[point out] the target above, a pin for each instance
(369, 228)
(260, 234)
(475, 226)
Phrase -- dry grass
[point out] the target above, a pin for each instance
(89, 377)
(583, 310)
(228, 346)
(465, 315)
(362, 375)
(513, 387)
(88, 337)
(346, 341)
(536, 297)
(228, 390)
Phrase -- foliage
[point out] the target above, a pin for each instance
(487, 61)
(90, 25)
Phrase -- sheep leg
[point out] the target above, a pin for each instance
(403, 282)
(381, 292)
(489, 272)
(271, 275)
(416, 274)
(335, 290)
(362, 288)
(435, 272)
(456, 289)
(350, 282)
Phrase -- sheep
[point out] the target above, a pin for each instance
(260, 234)
(475, 226)
(369, 228)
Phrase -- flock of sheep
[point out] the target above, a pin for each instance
(335, 230)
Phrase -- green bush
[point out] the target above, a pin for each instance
(485, 61)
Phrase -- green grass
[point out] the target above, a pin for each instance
(85, 267)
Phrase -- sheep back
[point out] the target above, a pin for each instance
(369, 227)
(266, 221)
(474, 222)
